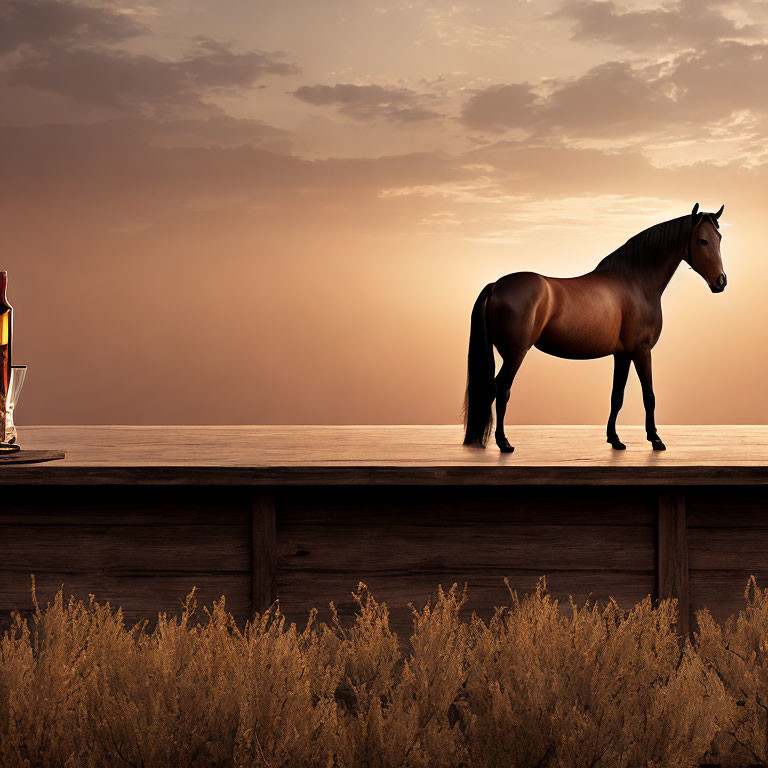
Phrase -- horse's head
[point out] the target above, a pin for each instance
(704, 248)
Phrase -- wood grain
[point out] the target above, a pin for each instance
(413, 548)
(728, 549)
(118, 548)
(30, 457)
(722, 592)
(263, 550)
(429, 455)
(141, 595)
(136, 505)
(467, 506)
(727, 507)
(672, 569)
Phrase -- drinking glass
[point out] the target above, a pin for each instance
(18, 374)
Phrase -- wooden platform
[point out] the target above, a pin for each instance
(139, 515)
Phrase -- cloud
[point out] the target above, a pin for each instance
(679, 24)
(67, 50)
(615, 98)
(40, 22)
(370, 102)
(121, 166)
(499, 107)
(693, 93)
(117, 78)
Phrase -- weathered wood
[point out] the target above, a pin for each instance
(140, 548)
(467, 506)
(116, 548)
(728, 549)
(722, 592)
(563, 504)
(714, 507)
(389, 455)
(673, 555)
(654, 476)
(299, 591)
(28, 457)
(141, 595)
(135, 505)
(263, 550)
(413, 548)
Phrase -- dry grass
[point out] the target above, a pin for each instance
(534, 687)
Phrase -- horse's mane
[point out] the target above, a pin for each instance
(647, 247)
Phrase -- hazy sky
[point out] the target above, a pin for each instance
(282, 212)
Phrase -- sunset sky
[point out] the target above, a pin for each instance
(282, 212)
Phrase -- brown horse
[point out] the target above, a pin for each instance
(613, 310)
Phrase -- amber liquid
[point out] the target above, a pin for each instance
(6, 339)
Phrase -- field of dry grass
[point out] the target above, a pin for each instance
(534, 687)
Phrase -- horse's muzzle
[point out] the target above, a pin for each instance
(719, 285)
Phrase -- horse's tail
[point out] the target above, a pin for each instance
(481, 369)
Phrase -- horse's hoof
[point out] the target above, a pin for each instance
(504, 445)
(657, 445)
(617, 445)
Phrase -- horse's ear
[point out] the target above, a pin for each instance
(720, 212)
(695, 209)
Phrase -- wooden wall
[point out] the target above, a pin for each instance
(727, 531)
(403, 542)
(142, 548)
(145, 547)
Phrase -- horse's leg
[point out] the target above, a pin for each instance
(620, 372)
(503, 382)
(642, 360)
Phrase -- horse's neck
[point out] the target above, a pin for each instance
(657, 278)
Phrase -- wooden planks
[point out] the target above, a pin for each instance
(389, 455)
(405, 541)
(728, 542)
(65, 548)
(288, 512)
(467, 505)
(432, 549)
(138, 549)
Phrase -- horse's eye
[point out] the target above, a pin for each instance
(703, 241)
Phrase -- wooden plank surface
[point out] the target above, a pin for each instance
(430, 455)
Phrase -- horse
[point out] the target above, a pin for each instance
(613, 310)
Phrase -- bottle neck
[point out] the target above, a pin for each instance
(3, 287)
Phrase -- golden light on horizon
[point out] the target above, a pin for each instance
(335, 208)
